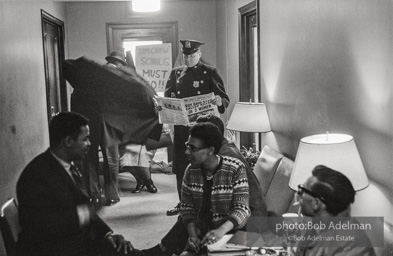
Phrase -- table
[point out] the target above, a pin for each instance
(246, 243)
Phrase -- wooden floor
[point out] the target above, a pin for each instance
(141, 218)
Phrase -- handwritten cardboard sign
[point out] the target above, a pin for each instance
(154, 64)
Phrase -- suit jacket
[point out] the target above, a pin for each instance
(48, 200)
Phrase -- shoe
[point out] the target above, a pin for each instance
(174, 211)
(110, 202)
(150, 186)
(138, 188)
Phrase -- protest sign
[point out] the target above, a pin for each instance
(154, 64)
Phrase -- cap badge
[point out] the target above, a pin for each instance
(187, 44)
(196, 84)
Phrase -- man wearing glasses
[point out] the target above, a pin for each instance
(175, 240)
(327, 194)
(192, 79)
(215, 192)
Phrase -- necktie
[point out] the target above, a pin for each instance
(77, 176)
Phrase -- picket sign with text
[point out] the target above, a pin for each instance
(154, 64)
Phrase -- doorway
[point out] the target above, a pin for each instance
(125, 37)
(249, 63)
(53, 46)
(121, 35)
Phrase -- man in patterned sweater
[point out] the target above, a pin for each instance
(215, 193)
(174, 241)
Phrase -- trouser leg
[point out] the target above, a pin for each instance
(111, 171)
(90, 173)
(180, 160)
(143, 172)
(176, 239)
(179, 181)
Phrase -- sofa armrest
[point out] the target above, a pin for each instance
(266, 166)
(279, 195)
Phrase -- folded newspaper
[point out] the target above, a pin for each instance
(185, 111)
(241, 242)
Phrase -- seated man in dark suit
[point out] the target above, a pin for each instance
(327, 194)
(175, 240)
(54, 211)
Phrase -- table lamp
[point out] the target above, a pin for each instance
(249, 117)
(336, 151)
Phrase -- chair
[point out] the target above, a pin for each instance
(279, 195)
(266, 166)
(9, 225)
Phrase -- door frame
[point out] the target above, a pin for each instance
(248, 19)
(130, 30)
(245, 77)
(48, 18)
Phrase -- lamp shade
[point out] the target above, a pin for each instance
(249, 117)
(146, 5)
(336, 151)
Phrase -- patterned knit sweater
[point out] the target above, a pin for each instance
(229, 196)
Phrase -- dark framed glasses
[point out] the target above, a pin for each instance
(301, 190)
(192, 148)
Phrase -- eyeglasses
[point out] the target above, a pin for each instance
(192, 148)
(302, 189)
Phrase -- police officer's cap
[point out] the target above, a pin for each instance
(190, 46)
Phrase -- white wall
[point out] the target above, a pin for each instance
(228, 47)
(87, 23)
(327, 66)
(23, 116)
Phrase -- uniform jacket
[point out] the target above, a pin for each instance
(201, 79)
(48, 198)
(186, 82)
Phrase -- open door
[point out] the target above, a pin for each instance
(53, 46)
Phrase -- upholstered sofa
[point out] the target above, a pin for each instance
(273, 171)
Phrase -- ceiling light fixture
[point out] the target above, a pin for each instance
(146, 5)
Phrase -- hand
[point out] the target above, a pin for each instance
(217, 101)
(156, 106)
(212, 237)
(194, 243)
(119, 243)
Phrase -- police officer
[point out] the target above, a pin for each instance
(192, 79)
